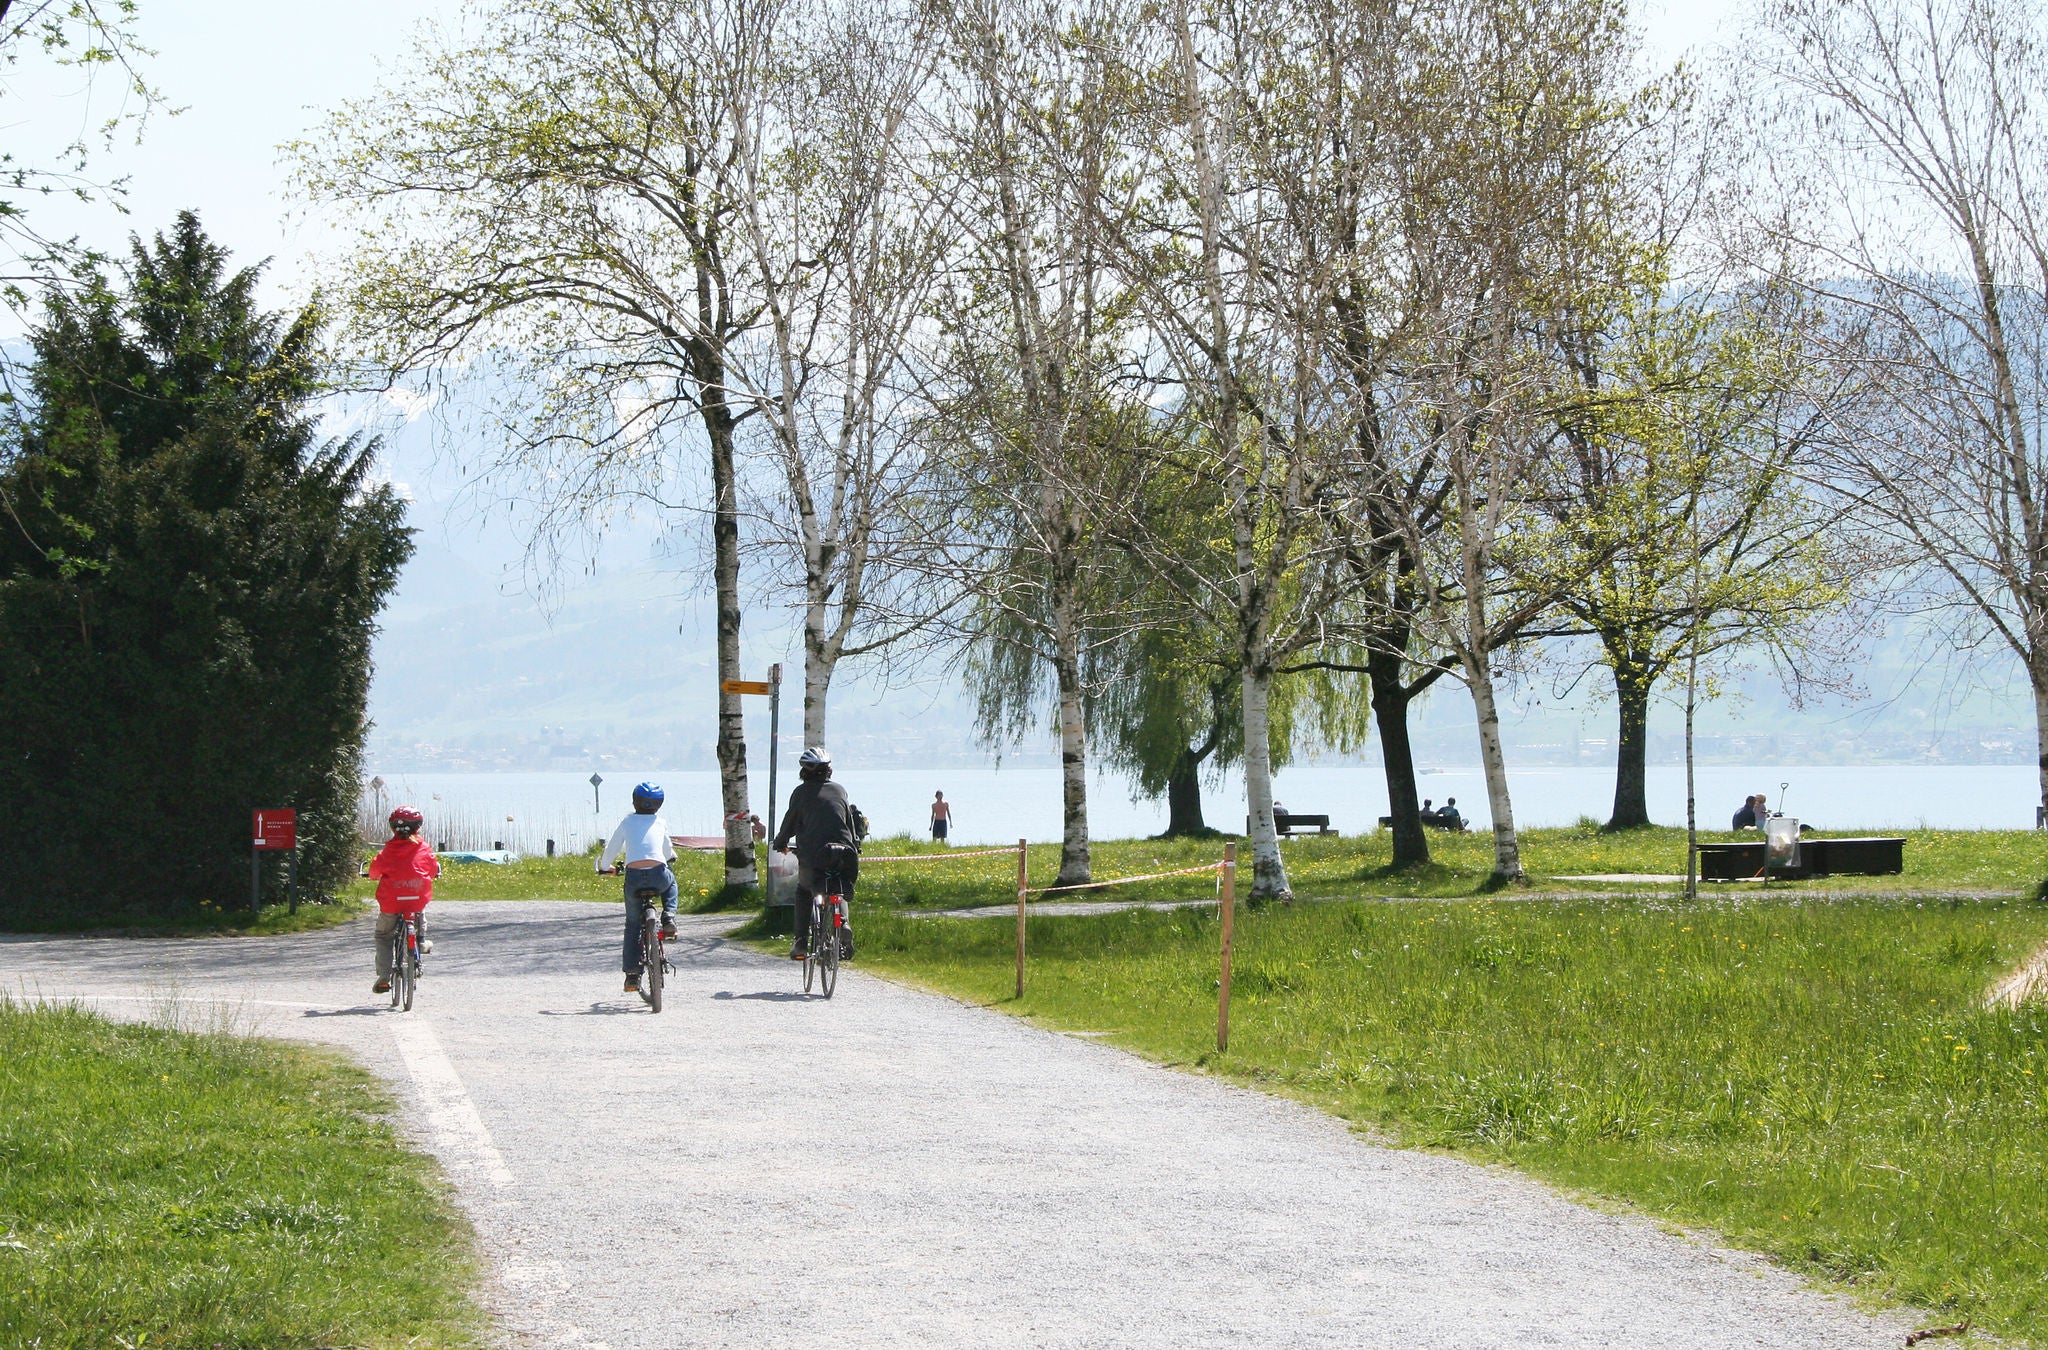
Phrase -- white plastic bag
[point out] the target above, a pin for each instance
(781, 866)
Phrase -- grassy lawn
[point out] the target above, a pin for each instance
(205, 921)
(1977, 861)
(1814, 1079)
(159, 1188)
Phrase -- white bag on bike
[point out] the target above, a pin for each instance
(781, 866)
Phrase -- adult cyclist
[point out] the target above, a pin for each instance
(821, 823)
(642, 839)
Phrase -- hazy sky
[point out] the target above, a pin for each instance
(253, 74)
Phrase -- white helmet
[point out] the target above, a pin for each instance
(815, 757)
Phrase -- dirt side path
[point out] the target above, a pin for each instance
(752, 1168)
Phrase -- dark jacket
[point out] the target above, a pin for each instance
(1745, 819)
(818, 815)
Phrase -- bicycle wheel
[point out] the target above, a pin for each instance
(408, 965)
(651, 953)
(828, 954)
(811, 950)
(398, 965)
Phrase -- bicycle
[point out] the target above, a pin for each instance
(828, 916)
(654, 962)
(405, 961)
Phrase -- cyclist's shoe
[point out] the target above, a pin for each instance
(426, 946)
(632, 984)
(668, 927)
(796, 950)
(382, 986)
(846, 944)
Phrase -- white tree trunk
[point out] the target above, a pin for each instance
(1507, 853)
(821, 657)
(1269, 872)
(2040, 681)
(732, 730)
(1074, 864)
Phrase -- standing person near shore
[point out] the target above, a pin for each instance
(942, 817)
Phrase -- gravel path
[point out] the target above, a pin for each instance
(753, 1168)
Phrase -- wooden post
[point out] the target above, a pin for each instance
(1023, 883)
(1227, 905)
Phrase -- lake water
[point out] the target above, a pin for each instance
(1002, 805)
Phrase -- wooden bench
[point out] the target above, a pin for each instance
(1287, 824)
(1434, 822)
(1875, 856)
(698, 843)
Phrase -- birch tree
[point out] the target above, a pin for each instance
(1032, 317)
(1910, 143)
(560, 205)
(1514, 178)
(844, 249)
(1219, 279)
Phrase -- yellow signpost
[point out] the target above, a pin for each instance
(743, 686)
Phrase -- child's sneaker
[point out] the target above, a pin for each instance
(426, 946)
(632, 984)
(381, 987)
(668, 927)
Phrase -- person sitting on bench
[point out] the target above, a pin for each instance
(1448, 818)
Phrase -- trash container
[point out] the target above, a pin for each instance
(1781, 844)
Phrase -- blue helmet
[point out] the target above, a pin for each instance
(648, 798)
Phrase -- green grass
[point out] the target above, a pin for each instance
(1814, 1079)
(205, 921)
(1976, 861)
(164, 1188)
(700, 877)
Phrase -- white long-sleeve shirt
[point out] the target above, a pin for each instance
(642, 839)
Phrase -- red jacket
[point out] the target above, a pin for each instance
(405, 872)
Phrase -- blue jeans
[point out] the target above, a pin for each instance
(638, 879)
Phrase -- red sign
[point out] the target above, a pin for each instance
(277, 830)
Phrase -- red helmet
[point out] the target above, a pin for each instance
(407, 818)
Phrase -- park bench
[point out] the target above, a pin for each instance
(1434, 822)
(1869, 857)
(1287, 824)
(698, 843)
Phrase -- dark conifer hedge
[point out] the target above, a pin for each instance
(189, 583)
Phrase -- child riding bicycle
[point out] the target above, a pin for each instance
(643, 840)
(405, 869)
(820, 820)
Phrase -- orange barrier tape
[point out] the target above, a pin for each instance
(1124, 881)
(1010, 852)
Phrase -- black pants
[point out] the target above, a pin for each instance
(812, 881)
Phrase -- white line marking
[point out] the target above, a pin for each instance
(465, 1143)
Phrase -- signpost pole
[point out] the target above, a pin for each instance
(291, 882)
(255, 881)
(774, 735)
(596, 802)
